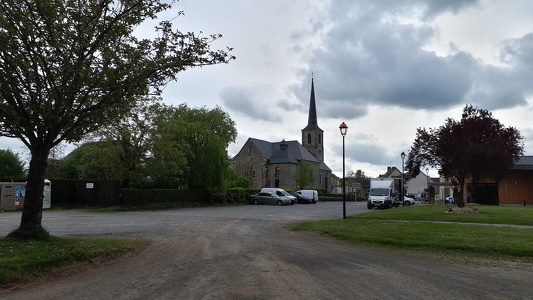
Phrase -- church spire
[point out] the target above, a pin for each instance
(312, 121)
(312, 134)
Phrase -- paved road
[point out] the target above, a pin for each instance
(245, 253)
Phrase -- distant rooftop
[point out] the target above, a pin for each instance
(523, 163)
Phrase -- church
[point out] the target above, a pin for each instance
(273, 164)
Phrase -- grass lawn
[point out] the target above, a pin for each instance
(23, 261)
(514, 215)
(400, 228)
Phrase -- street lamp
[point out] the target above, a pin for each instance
(344, 129)
(403, 178)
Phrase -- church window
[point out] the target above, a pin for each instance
(309, 138)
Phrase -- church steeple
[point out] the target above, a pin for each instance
(312, 121)
(312, 134)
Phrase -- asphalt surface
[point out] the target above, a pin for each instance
(244, 252)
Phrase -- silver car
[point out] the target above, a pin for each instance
(270, 198)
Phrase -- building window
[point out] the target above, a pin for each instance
(320, 139)
(309, 138)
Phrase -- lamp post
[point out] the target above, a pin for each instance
(343, 128)
(403, 178)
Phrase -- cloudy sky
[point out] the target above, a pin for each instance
(385, 68)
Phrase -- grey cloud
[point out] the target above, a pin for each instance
(371, 153)
(365, 58)
(251, 102)
(508, 86)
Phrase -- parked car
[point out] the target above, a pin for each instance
(301, 199)
(450, 200)
(270, 198)
(408, 201)
(309, 194)
(280, 192)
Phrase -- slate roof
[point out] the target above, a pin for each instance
(293, 153)
(523, 163)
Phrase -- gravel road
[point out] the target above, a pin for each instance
(244, 252)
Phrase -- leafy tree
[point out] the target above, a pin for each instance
(304, 174)
(69, 67)
(236, 181)
(131, 140)
(10, 164)
(207, 134)
(357, 176)
(478, 147)
(92, 160)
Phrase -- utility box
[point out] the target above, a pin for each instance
(12, 195)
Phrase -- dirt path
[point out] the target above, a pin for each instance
(240, 258)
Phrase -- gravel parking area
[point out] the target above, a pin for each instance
(244, 252)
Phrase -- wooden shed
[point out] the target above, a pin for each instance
(516, 187)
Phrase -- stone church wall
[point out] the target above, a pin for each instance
(251, 164)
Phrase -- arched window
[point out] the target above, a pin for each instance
(309, 138)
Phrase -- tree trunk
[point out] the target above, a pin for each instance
(458, 193)
(32, 212)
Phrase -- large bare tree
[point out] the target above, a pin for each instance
(67, 67)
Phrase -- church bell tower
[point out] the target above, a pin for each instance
(312, 135)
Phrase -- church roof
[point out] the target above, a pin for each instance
(285, 152)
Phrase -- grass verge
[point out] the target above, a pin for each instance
(23, 261)
(399, 229)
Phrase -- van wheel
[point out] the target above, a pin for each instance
(256, 202)
(280, 203)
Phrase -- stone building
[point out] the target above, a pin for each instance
(273, 164)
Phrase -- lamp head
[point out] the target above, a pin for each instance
(343, 128)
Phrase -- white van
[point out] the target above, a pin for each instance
(280, 192)
(309, 194)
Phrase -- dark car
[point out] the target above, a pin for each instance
(269, 198)
(301, 199)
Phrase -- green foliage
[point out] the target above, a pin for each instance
(304, 175)
(207, 133)
(236, 181)
(95, 160)
(71, 67)
(10, 164)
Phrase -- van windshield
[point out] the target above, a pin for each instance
(379, 192)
